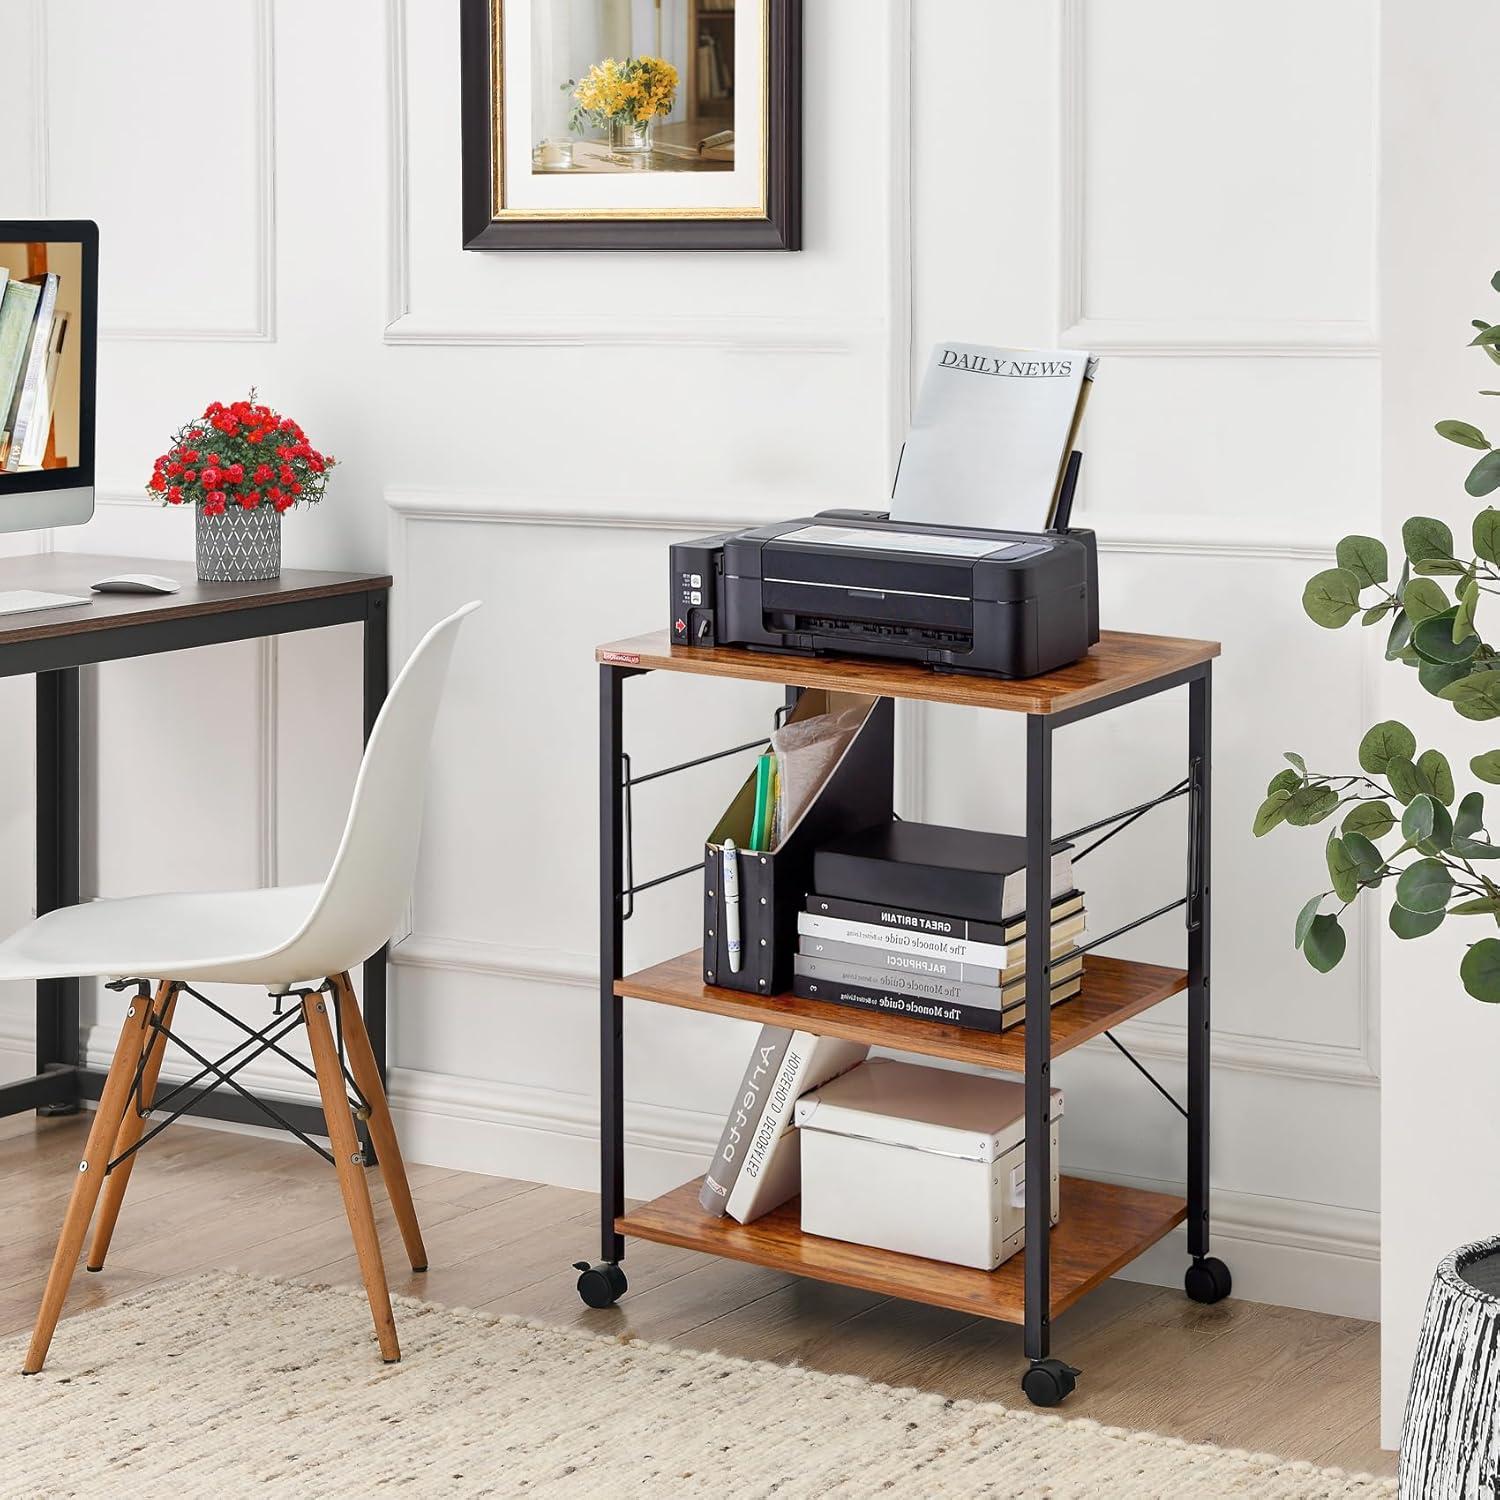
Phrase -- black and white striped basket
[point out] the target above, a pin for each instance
(1450, 1448)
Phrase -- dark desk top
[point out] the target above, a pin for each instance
(73, 572)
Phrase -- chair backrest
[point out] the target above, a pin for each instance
(368, 886)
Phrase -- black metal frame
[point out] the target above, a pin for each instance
(617, 888)
(62, 1082)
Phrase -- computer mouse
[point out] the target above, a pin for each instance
(136, 583)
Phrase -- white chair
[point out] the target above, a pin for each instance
(280, 939)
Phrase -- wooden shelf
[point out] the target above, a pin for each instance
(1102, 1227)
(1114, 989)
(1119, 661)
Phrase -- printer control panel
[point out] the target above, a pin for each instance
(693, 591)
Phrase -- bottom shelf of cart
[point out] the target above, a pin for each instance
(1102, 1227)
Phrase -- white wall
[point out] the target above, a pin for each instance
(1440, 244)
(533, 428)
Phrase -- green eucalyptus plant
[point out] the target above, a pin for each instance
(1439, 853)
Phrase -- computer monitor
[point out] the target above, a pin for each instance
(49, 299)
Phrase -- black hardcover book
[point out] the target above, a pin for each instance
(970, 1017)
(924, 867)
(906, 919)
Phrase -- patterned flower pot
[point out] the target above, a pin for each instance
(1451, 1442)
(239, 545)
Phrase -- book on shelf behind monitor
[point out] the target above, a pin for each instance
(29, 390)
(961, 873)
(18, 305)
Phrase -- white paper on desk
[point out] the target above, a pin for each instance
(991, 436)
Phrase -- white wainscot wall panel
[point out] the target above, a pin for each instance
(188, 221)
(817, 300)
(1232, 450)
(1219, 174)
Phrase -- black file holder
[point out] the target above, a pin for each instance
(773, 884)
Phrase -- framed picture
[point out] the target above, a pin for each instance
(632, 124)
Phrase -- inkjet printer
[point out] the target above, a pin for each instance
(959, 599)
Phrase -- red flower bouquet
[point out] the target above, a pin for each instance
(244, 455)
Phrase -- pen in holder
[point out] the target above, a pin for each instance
(757, 906)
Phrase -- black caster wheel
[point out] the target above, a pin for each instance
(1048, 1382)
(1208, 1280)
(601, 1285)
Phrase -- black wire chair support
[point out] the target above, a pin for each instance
(255, 1044)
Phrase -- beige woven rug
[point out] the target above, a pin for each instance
(229, 1386)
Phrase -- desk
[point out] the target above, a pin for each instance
(52, 645)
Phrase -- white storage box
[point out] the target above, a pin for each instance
(921, 1161)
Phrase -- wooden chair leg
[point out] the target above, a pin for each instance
(382, 1129)
(132, 1128)
(112, 1103)
(347, 1159)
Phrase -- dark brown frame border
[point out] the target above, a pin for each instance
(780, 229)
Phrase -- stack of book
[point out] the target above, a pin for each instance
(32, 330)
(915, 920)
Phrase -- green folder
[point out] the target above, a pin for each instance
(760, 822)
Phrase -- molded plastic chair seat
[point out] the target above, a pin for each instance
(309, 936)
(239, 937)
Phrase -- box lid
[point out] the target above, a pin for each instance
(975, 1116)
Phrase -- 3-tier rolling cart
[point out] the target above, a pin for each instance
(1103, 1225)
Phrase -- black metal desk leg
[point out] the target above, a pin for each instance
(57, 884)
(1200, 754)
(611, 949)
(376, 683)
(603, 1283)
(1038, 1032)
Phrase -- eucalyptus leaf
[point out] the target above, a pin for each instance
(1433, 639)
(1383, 741)
(1485, 475)
(1305, 918)
(1271, 812)
(1416, 821)
(1446, 567)
(1435, 676)
(1469, 819)
(1441, 837)
(1310, 805)
(1478, 906)
(1468, 607)
(1486, 336)
(1341, 869)
(1331, 598)
(1422, 600)
(1373, 819)
(1464, 433)
(1369, 864)
(1414, 924)
(1495, 281)
(1284, 781)
(1365, 557)
(1295, 759)
(1433, 768)
(1487, 766)
(1402, 775)
(1487, 534)
(1400, 635)
(1377, 612)
(1425, 537)
(1480, 970)
(1476, 696)
(1324, 944)
(1424, 886)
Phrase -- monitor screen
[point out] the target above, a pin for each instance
(48, 285)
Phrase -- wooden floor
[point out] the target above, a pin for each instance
(1241, 1374)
